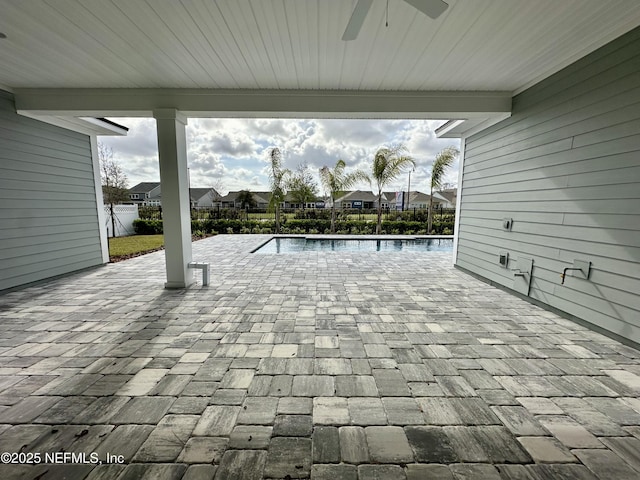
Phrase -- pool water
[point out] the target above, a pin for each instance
(294, 245)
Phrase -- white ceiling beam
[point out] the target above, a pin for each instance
(448, 127)
(263, 103)
(453, 129)
(86, 125)
(105, 125)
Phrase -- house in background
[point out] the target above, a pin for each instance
(358, 199)
(389, 200)
(205, 197)
(290, 203)
(369, 200)
(420, 201)
(446, 198)
(262, 200)
(143, 192)
(154, 200)
(230, 200)
(414, 200)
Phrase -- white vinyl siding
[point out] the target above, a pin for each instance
(566, 168)
(48, 214)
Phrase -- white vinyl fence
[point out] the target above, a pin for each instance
(123, 216)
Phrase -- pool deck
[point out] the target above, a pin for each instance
(333, 366)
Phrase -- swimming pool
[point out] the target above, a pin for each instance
(302, 244)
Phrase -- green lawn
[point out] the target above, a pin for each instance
(124, 247)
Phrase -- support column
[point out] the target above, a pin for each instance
(97, 182)
(456, 228)
(174, 186)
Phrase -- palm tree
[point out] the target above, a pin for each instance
(444, 160)
(335, 181)
(388, 163)
(278, 177)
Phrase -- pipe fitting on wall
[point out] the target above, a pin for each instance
(582, 266)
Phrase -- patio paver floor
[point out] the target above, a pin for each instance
(329, 366)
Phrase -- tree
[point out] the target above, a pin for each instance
(114, 181)
(217, 186)
(388, 163)
(444, 160)
(336, 181)
(278, 178)
(245, 197)
(302, 186)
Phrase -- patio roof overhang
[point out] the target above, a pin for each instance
(243, 58)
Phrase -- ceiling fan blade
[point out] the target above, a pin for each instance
(431, 8)
(356, 20)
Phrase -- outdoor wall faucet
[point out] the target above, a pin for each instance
(564, 273)
(582, 266)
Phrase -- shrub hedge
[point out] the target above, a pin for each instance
(147, 227)
(211, 226)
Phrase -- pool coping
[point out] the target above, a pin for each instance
(322, 236)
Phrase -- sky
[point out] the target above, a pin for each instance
(231, 154)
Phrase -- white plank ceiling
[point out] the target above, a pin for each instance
(478, 45)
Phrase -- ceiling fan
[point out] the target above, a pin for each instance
(431, 8)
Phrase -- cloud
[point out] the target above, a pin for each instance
(228, 139)
(233, 151)
(137, 153)
(141, 141)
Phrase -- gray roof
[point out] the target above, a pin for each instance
(418, 197)
(197, 193)
(259, 197)
(450, 194)
(358, 195)
(144, 187)
(389, 196)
